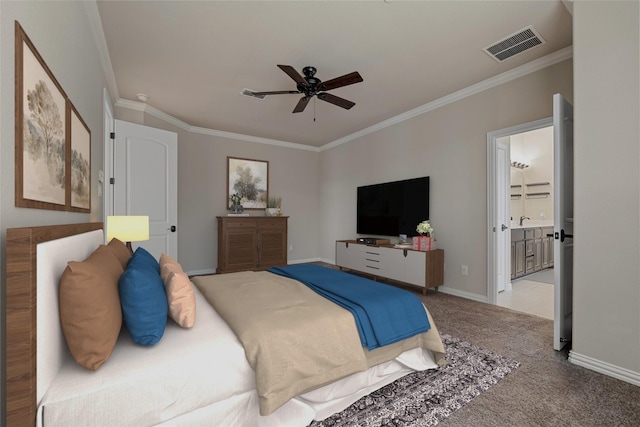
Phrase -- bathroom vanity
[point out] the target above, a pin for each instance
(531, 250)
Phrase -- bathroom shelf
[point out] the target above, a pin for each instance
(536, 183)
(538, 195)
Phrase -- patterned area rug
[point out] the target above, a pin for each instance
(428, 397)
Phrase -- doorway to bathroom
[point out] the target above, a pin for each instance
(499, 226)
(530, 260)
(521, 160)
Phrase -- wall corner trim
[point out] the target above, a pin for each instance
(462, 294)
(605, 368)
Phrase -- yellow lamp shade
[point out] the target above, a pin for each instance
(128, 228)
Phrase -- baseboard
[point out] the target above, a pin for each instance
(302, 261)
(201, 272)
(605, 368)
(462, 294)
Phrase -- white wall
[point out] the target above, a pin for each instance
(60, 32)
(606, 317)
(449, 145)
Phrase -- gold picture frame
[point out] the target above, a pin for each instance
(249, 179)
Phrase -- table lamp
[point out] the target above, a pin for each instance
(128, 228)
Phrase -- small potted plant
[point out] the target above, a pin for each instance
(426, 241)
(425, 228)
(273, 206)
(236, 207)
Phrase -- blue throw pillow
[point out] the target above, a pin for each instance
(144, 303)
(143, 256)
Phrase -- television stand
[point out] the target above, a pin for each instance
(419, 268)
(373, 241)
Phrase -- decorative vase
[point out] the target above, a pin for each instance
(236, 209)
(272, 211)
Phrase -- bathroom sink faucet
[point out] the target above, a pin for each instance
(522, 218)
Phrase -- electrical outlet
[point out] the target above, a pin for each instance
(465, 270)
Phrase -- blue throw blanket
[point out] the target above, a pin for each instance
(383, 314)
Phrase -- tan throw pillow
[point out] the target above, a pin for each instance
(168, 265)
(164, 258)
(121, 252)
(182, 300)
(169, 268)
(90, 311)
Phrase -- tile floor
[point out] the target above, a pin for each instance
(530, 297)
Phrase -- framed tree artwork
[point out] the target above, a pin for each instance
(53, 142)
(79, 167)
(40, 129)
(249, 179)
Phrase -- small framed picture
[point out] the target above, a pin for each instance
(80, 162)
(249, 179)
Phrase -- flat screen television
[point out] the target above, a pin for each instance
(393, 208)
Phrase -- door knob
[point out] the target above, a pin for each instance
(563, 235)
(173, 228)
(504, 227)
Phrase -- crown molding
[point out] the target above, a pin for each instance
(93, 16)
(130, 105)
(513, 74)
(250, 138)
(147, 109)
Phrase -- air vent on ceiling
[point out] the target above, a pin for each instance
(514, 44)
(249, 92)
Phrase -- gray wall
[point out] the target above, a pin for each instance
(607, 185)
(450, 146)
(202, 195)
(61, 34)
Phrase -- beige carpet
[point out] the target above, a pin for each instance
(546, 390)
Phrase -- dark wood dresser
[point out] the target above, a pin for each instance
(251, 243)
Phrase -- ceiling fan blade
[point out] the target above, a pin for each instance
(291, 72)
(336, 100)
(346, 80)
(302, 104)
(277, 92)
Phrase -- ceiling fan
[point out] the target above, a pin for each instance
(311, 86)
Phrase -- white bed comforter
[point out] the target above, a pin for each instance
(138, 386)
(196, 377)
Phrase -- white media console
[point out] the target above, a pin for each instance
(420, 268)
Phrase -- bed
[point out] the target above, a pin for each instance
(194, 377)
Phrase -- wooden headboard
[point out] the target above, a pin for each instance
(21, 315)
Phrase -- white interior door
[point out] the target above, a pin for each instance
(503, 166)
(145, 171)
(563, 219)
(108, 129)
